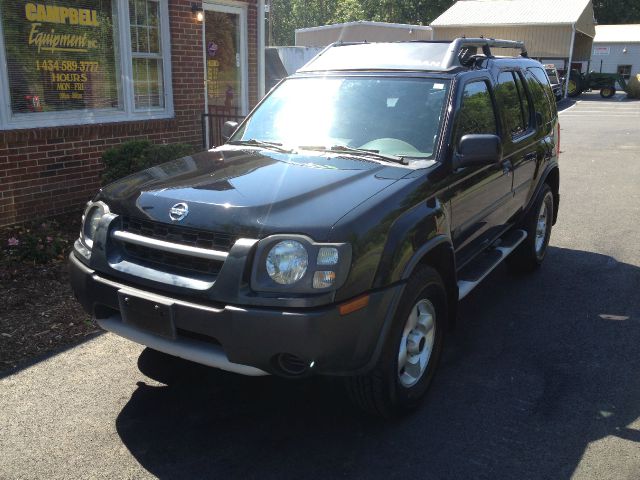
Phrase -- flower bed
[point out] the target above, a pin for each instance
(38, 312)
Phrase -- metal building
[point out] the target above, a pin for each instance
(551, 29)
(616, 49)
(360, 31)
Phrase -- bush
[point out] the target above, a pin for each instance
(633, 86)
(136, 155)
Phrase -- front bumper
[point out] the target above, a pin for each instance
(247, 339)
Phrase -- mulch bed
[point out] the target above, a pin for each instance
(38, 312)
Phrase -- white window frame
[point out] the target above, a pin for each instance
(11, 121)
(625, 76)
(151, 56)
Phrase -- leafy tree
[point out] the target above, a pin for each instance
(616, 11)
(287, 15)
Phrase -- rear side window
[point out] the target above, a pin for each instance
(476, 114)
(513, 103)
(541, 76)
(541, 100)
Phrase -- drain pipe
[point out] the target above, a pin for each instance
(566, 80)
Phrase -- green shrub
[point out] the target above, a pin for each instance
(136, 155)
(633, 86)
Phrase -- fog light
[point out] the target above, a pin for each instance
(323, 279)
(328, 256)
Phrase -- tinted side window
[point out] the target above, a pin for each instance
(540, 98)
(508, 97)
(476, 114)
(541, 76)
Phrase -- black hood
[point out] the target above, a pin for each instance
(253, 192)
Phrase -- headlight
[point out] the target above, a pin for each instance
(91, 218)
(287, 262)
(297, 264)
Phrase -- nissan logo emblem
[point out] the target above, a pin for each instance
(178, 211)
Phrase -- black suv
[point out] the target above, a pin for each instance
(338, 227)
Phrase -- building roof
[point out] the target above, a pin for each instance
(617, 34)
(512, 12)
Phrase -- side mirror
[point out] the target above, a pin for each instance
(227, 129)
(476, 150)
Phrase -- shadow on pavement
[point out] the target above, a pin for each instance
(47, 355)
(594, 96)
(565, 103)
(539, 366)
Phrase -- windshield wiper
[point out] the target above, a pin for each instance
(262, 143)
(356, 151)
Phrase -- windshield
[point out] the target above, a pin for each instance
(391, 116)
(553, 76)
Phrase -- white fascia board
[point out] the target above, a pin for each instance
(520, 25)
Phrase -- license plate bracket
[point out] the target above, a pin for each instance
(154, 314)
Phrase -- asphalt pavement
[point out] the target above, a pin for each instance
(541, 380)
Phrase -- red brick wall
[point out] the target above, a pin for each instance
(252, 34)
(49, 171)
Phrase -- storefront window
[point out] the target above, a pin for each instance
(64, 58)
(60, 58)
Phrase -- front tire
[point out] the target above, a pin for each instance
(531, 252)
(607, 92)
(410, 355)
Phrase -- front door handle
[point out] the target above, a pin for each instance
(507, 167)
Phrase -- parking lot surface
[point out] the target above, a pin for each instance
(540, 380)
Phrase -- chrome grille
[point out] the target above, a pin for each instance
(178, 234)
(168, 259)
(172, 262)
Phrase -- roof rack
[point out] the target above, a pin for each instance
(453, 57)
(435, 56)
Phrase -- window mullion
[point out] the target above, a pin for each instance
(164, 32)
(126, 57)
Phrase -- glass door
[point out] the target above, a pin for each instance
(225, 45)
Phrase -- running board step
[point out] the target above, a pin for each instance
(471, 275)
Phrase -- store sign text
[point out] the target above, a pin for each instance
(53, 41)
(68, 76)
(37, 12)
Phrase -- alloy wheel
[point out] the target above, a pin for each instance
(416, 344)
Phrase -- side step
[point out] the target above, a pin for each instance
(471, 275)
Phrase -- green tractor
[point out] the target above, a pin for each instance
(605, 82)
